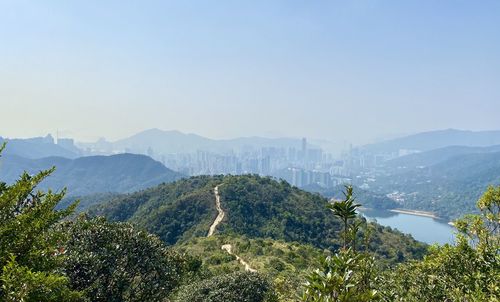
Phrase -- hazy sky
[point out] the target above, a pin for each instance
(323, 69)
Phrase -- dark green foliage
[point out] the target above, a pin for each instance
(344, 277)
(30, 245)
(86, 201)
(263, 207)
(20, 283)
(348, 275)
(448, 273)
(255, 207)
(115, 262)
(94, 174)
(233, 287)
(345, 210)
(172, 211)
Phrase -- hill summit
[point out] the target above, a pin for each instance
(255, 207)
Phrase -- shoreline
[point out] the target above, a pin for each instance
(416, 213)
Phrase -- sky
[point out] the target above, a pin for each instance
(355, 70)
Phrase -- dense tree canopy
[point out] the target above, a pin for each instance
(238, 286)
(256, 207)
(115, 262)
(31, 247)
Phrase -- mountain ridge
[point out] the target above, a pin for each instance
(425, 141)
(435, 156)
(174, 141)
(91, 174)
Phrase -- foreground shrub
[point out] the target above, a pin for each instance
(234, 287)
(115, 262)
(30, 257)
(343, 277)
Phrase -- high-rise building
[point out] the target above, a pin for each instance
(303, 153)
(265, 165)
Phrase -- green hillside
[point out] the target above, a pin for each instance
(255, 207)
(174, 211)
(92, 174)
(286, 264)
(450, 188)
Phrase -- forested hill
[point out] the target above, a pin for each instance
(255, 207)
(93, 174)
(450, 188)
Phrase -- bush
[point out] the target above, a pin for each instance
(234, 287)
(115, 262)
(344, 277)
(30, 244)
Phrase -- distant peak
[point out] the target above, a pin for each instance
(160, 131)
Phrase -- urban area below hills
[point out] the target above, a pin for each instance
(441, 172)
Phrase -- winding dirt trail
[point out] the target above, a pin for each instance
(220, 214)
(227, 247)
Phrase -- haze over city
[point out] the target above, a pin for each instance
(358, 70)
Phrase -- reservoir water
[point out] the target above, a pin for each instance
(425, 229)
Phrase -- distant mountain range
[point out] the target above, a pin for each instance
(426, 141)
(165, 142)
(448, 174)
(157, 142)
(168, 142)
(92, 174)
(432, 157)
